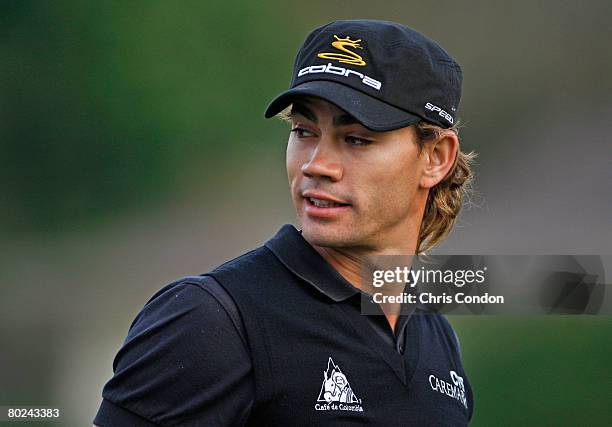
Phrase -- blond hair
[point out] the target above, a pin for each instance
(446, 198)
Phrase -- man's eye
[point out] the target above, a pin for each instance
(353, 140)
(302, 133)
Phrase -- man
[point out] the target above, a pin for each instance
(276, 336)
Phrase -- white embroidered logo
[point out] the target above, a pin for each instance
(441, 112)
(454, 390)
(340, 71)
(336, 393)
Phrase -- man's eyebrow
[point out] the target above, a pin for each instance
(344, 119)
(303, 110)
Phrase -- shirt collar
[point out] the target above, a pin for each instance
(304, 261)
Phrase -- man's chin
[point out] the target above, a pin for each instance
(328, 235)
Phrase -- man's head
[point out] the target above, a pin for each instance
(372, 106)
(340, 379)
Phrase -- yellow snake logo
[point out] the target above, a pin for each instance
(348, 58)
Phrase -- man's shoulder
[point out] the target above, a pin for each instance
(179, 300)
(259, 261)
(182, 284)
(206, 281)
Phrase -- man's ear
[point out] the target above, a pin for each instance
(439, 157)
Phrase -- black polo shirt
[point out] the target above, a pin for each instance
(187, 359)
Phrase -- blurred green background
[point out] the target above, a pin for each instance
(133, 151)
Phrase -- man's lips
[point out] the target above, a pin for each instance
(322, 205)
(323, 200)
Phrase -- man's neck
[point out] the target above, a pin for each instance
(349, 264)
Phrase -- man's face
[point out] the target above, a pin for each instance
(352, 187)
(340, 379)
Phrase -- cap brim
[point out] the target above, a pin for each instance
(372, 113)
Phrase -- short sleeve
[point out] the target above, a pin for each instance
(184, 362)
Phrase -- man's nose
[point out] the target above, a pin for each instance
(324, 161)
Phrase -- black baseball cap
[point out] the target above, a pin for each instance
(385, 74)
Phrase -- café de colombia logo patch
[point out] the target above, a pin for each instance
(345, 57)
(336, 392)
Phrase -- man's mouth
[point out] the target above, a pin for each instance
(322, 203)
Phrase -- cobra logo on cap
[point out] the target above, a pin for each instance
(348, 57)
